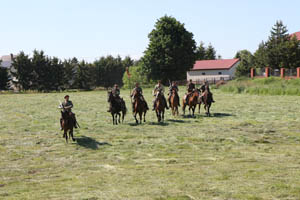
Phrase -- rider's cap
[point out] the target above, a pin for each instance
(66, 96)
(190, 80)
(116, 85)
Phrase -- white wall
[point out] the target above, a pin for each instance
(211, 74)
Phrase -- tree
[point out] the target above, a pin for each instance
(210, 53)
(22, 71)
(136, 75)
(276, 46)
(171, 51)
(70, 67)
(201, 52)
(260, 56)
(246, 62)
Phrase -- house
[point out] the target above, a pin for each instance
(213, 70)
(6, 61)
(297, 34)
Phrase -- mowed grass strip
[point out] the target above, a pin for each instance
(248, 149)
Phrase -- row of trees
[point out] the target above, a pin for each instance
(44, 73)
(280, 50)
(171, 52)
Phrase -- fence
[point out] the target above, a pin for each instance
(279, 72)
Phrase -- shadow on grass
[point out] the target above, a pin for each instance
(177, 121)
(189, 116)
(221, 115)
(90, 143)
(158, 123)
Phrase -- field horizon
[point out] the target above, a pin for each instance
(248, 149)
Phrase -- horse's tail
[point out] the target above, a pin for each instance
(77, 124)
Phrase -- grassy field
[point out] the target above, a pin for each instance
(263, 86)
(248, 149)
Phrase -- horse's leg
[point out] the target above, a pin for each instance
(183, 107)
(119, 114)
(141, 116)
(66, 135)
(136, 121)
(145, 116)
(163, 114)
(71, 135)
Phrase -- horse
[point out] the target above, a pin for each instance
(67, 125)
(139, 107)
(206, 99)
(117, 106)
(160, 107)
(192, 102)
(174, 102)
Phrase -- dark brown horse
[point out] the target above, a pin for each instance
(206, 99)
(192, 102)
(160, 107)
(67, 124)
(174, 102)
(117, 107)
(139, 107)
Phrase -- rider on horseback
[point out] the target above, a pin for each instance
(190, 88)
(159, 87)
(172, 87)
(205, 88)
(67, 106)
(138, 90)
(116, 94)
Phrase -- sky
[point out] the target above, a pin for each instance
(89, 29)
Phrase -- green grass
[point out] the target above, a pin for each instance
(263, 86)
(248, 149)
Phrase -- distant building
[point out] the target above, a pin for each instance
(6, 61)
(213, 70)
(297, 34)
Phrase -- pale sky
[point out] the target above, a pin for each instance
(93, 28)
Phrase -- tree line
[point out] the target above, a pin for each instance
(280, 50)
(43, 73)
(170, 53)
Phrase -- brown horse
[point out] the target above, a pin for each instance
(174, 102)
(67, 125)
(206, 99)
(139, 107)
(160, 107)
(192, 102)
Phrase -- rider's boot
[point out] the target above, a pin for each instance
(109, 109)
(166, 103)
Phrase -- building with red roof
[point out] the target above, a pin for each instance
(211, 70)
(297, 34)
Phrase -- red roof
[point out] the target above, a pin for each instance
(214, 64)
(297, 34)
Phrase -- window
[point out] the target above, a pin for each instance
(203, 73)
(220, 73)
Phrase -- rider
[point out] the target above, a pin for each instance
(116, 94)
(190, 88)
(205, 87)
(67, 107)
(139, 91)
(159, 87)
(172, 87)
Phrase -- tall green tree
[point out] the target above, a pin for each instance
(246, 62)
(277, 46)
(201, 52)
(210, 53)
(22, 72)
(171, 50)
(70, 67)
